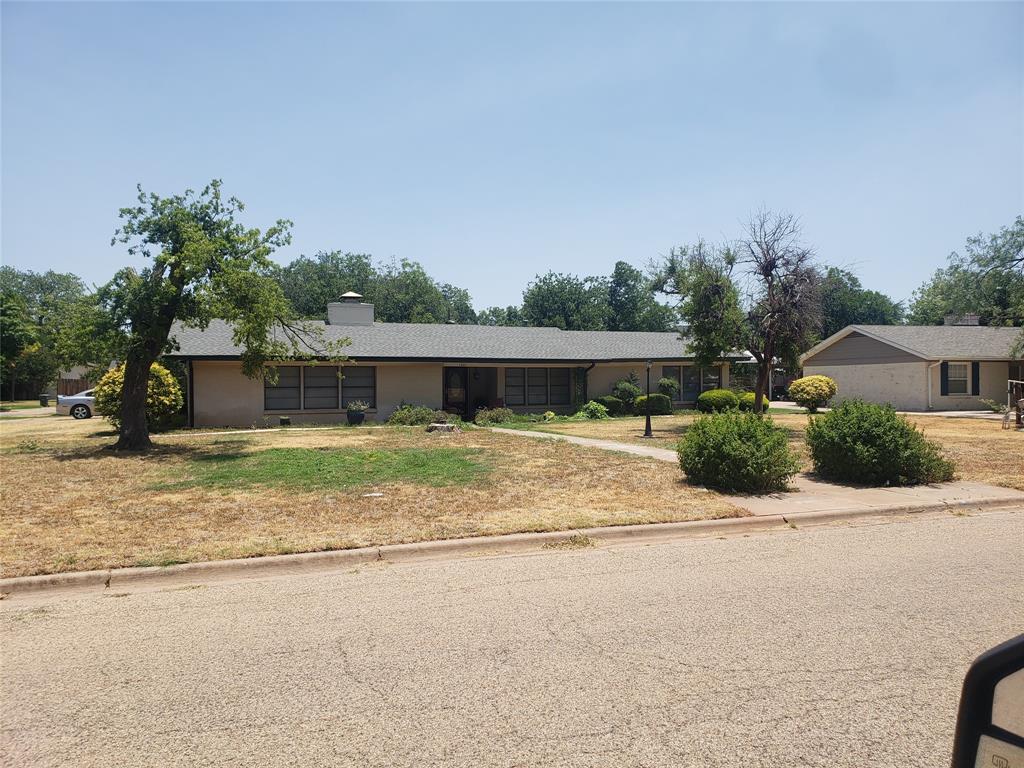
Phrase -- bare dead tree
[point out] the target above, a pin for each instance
(784, 294)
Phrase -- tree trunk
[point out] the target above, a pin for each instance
(134, 435)
(764, 375)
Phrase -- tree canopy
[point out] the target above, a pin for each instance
(846, 302)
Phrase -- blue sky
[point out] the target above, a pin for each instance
(495, 141)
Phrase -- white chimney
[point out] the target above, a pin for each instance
(349, 310)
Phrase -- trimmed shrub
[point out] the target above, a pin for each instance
(717, 400)
(661, 405)
(747, 402)
(627, 391)
(858, 442)
(163, 398)
(669, 388)
(812, 392)
(615, 406)
(487, 416)
(593, 410)
(735, 451)
(417, 416)
(549, 415)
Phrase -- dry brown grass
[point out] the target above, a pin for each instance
(980, 448)
(70, 504)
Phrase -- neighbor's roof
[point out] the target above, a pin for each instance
(935, 342)
(423, 341)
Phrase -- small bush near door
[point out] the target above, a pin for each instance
(716, 400)
(858, 442)
(487, 416)
(660, 405)
(417, 416)
(736, 451)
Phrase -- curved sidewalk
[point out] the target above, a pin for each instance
(811, 495)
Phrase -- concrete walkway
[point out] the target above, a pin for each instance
(810, 495)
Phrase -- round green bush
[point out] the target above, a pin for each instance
(859, 442)
(660, 405)
(736, 451)
(812, 392)
(626, 391)
(716, 400)
(669, 388)
(747, 402)
(593, 410)
(163, 398)
(615, 406)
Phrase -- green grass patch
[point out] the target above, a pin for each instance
(320, 469)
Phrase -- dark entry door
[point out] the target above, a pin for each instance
(455, 396)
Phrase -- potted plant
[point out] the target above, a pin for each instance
(356, 411)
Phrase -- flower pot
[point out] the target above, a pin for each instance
(355, 417)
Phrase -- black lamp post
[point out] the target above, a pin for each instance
(647, 402)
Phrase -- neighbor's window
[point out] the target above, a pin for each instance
(711, 378)
(515, 386)
(284, 395)
(320, 387)
(536, 386)
(958, 378)
(359, 383)
(558, 379)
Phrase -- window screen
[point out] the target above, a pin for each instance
(284, 395)
(536, 386)
(320, 387)
(515, 386)
(958, 378)
(360, 383)
(560, 390)
(672, 372)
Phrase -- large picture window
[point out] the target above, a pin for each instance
(283, 395)
(320, 387)
(693, 379)
(515, 386)
(536, 386)
(559, 386)
(958, 373)
(359, 383)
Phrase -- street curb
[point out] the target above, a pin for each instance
(311, 562)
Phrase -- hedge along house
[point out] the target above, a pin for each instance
(457, 368)
(917, 367)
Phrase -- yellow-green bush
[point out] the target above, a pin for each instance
(812, 392)
(163, 398)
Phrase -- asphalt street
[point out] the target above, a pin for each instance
(839, 645)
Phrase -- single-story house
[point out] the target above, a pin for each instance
(919, 367)
(457, 368)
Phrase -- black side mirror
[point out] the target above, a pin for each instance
(990, 724)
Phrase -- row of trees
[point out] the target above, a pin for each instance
(763, 292)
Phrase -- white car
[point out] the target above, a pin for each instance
(78, 406)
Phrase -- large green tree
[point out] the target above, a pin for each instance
(844, 301)
(700, 275)
(17, 335)
(632, 305)
(565, 301)
(309, 283)
(200, 264)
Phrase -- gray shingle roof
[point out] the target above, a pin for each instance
(422, 341)
(948, 342)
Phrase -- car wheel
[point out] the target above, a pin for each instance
(80, 412)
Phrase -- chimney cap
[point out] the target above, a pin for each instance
(351, 295)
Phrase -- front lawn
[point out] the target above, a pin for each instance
(980, 448)
(70, 504)
(18, 405)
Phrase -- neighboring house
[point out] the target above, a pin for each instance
(458, 368)
(73, 380)
(919, 367)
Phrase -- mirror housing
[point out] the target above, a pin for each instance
(990, 723)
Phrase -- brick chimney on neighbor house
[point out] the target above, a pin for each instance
(349, 310)
(968, 319)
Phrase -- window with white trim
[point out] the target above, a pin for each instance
(957, 376)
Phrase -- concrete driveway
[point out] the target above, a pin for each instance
(842, 645)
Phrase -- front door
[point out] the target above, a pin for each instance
(455, 399)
